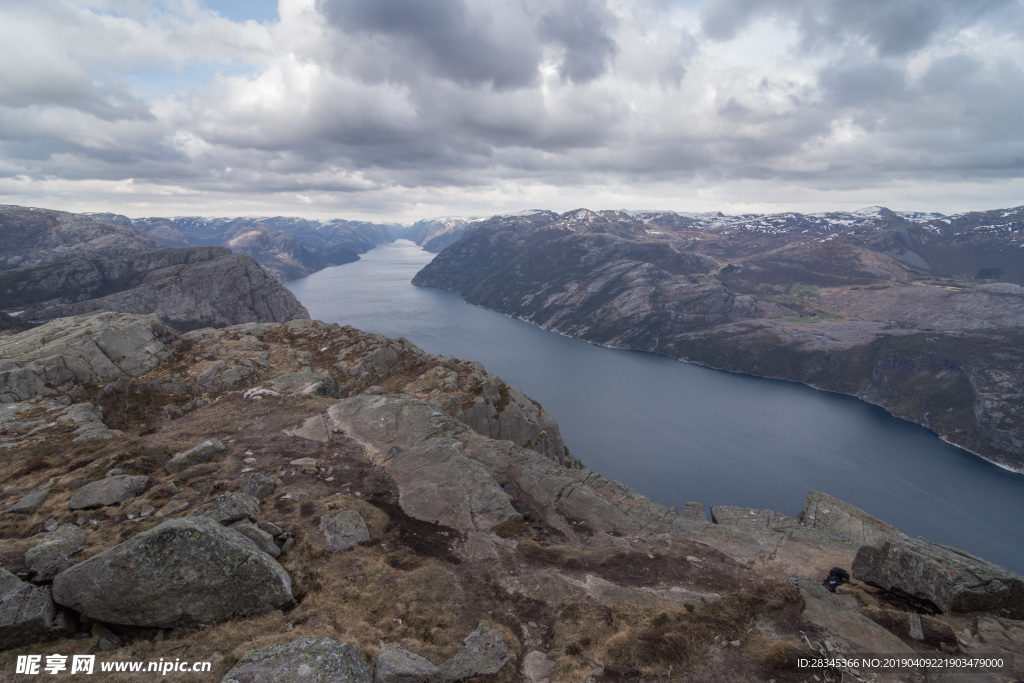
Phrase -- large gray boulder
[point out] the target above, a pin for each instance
(95, 349)
(949, 579)
(185, 571)
(50, 557)
(27, 614)
(395, 665)
(108, 491)
(306, 660)
(483, 653)
(204, 452)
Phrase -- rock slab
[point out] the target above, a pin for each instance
(306, 660)
(108, 491)
(949, 579)
(204, 452)
(395, 665)
(29, 504)
(185, 571)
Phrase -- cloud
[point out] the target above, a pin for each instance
(887, 28)
(390, 103)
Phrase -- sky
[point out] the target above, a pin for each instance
(397, 110)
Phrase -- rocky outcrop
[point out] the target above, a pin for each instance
(56, 264)
(187, 288)
(822, 511)
(96, 349)
(306, 660)
(945, 578)
(185, 571)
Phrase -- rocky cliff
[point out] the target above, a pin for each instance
(370, 533)
(858, 304)
(99, 267)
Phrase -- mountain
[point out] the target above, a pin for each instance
(303, 496)
(56, 264)
(287, 247)
(920, 314)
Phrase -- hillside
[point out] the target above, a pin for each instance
(920, 314)
(268, 496)
(55, 264)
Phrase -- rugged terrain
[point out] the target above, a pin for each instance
(919, 313)
(422, 512)
(56, 264)
(289, 248)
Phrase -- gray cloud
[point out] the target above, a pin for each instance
(406, 102)
(889, 28)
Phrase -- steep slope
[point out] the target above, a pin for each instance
(860, 303)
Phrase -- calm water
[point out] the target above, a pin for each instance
(678, 432)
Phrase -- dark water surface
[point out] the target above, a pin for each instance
(677, 432)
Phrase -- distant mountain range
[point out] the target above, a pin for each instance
(288, 247)
(920, 313)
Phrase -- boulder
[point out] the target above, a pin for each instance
(937, 575)
(344, 530)
(29, 504)
(306, 660)
(204, 452)
(108, 491)
(822, 511)
(259, 486)
(50, 557)
(27, 614)
(483, 653)
(261, 538)
(185, 571)
(395, 665)
(232, 507)
(537, 668)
